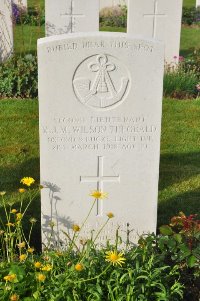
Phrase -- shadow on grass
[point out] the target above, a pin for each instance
(187, 52)
(10, 176)
(186, 202)
(179, 185)
(176, 168)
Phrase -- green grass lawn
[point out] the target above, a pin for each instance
(33, 3)
(179, 187)
(189, 3)
(190, 39)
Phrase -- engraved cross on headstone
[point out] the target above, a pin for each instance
(155, 15)
(72, 17)
(100, 179)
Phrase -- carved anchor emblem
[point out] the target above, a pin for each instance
(101, 92)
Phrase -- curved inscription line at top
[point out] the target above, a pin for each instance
(96, 81)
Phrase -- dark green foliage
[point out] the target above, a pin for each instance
(18, 77)
(181, 81)
(114, 16)
(191, 15)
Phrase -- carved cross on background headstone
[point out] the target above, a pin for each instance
(100, 179)
(155, 15)
(72, 17)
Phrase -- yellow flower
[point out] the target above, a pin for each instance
(31, 250)
(21, 190)
(21, 245)
(22, 257)
(76, 228)
(19, 216)
(99, 194)
(14, 211)
(10, 277)
(79, 267)
(10, 225)
(47, 268)
(115, 258)
(28, 181)
(110, 215)
(41, 277)
(2, 193)
(14, 297)
(37, 264)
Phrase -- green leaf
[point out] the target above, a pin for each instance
(18, 270)
(191, 261)
(166, 230)
(178, 237)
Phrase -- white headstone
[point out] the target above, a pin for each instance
(197, 3)
(108, 3)
(100, 121)
(69, 16)
(21, 3)
(159, 19)
(6, 29)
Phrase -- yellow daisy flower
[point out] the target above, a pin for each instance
(79, 267)
(14, 297)
(10, 277)
(21, 245)
(19, 216)
(28, 181)
(13, 211)
(22, 257)
(47, 268)
(21, 190)
(99, 194)
(37, 264)
(76, 228)
(10, 225)
(110, 215)
(31, 250)
(115, 258)
(41, 277)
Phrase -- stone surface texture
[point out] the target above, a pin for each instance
(108, 3)
(6, 30)
(158, 19)
(100, 99)
(70, 16)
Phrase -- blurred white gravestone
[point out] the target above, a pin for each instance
(108, 3)
(157, 19)
(197, 3)
(100, 121)
(21, 3)
(6, 30)
(70, 16)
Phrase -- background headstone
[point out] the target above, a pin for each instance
(69, 16)
(100, 122)
(107, 3)
(6, 29)
(197, 3)
(21, 3)
(159, 19)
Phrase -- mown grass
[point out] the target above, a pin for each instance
(190, 39)
(26, 38)
(33, 3)
(179, 187)
(189, 3)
